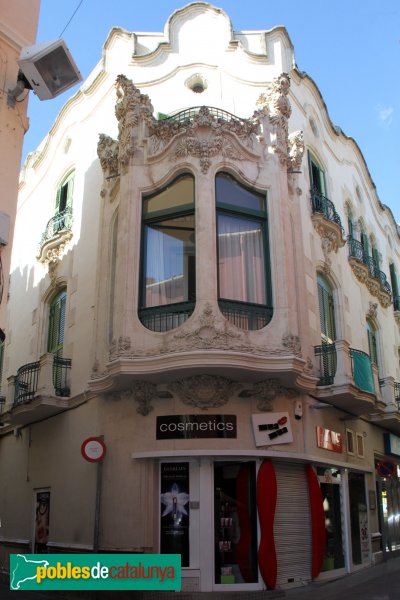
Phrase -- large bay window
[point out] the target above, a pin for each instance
(243, 256)
(168, 282)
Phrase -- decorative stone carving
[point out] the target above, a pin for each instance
(266, 391)
(131, 106)
(296, 150)
(330, 232)
(292, 343)
(276, 103)
(203, 135)
(207, 334)
(204, 391)
(372, 311)
(362, 272)
(120, 347)
(142, 392)
(107, 151)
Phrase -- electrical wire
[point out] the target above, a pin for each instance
(72, 16)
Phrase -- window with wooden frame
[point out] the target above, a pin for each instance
(360, 445)
(168, 256)
(244, 282)
(350, 442)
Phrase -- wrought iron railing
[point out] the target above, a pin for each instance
(26, 382)
(246, 315)
(357, 251)
(321, 204)
(327, 363)
(396, 302)
(188, 114)
(62, 221)
(61, 369)
(165, 318)
(361, 366)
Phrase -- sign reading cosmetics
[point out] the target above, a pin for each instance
(179, 427)
(174, 506)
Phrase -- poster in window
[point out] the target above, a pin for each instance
(42, 522)
(174, 510)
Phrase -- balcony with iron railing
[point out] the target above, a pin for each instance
(39, 389)
(57, 232)
(347, 378)
(367, 271)
(189, 114)
(326, 220)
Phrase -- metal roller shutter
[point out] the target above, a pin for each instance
(292, 526)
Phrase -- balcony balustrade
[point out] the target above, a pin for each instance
(246, 315)
(39, 389)
(57, 232)
(327, 363)
(347, 378)
(366, 271)
(326, 221)
(167, 317)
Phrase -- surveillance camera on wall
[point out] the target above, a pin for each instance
(49, 68)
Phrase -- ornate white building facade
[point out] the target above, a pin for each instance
(215, 297)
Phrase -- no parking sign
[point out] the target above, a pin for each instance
(386, 468)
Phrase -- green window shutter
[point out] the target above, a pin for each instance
(57, 324)
(375, 257)
(394, 281)
(364, 243)
(70, 191)
(372, 344)
(326, 312)
(351, 228)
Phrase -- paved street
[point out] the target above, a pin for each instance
(381, 582)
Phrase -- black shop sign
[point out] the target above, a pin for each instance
(180, 427)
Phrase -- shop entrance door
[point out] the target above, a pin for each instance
(235, 526)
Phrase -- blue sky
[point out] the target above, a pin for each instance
(351, 48)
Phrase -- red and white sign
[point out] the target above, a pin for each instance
(329, 440)
(93, 449)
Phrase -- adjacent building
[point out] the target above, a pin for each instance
(18, 26)
(205, 281)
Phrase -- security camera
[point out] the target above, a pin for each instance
(298, 410)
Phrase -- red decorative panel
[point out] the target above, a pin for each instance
(266, 504)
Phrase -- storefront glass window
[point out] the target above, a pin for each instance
(235, 522)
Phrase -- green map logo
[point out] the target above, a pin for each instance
(23, 570)
(95, 572)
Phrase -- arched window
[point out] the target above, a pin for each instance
(55, 340)
(244, 286)
(326, 310)
(168, 277)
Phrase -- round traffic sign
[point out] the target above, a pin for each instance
(93, 449)
(386, 468)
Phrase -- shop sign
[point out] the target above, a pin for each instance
(179, 427)
(272, 428)
(329, 440)
(392, 444)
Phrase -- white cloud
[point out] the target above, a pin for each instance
(385, 115)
